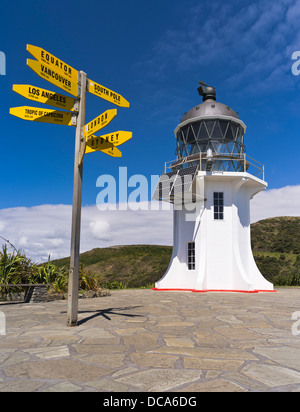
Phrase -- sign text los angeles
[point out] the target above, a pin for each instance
(37, 94)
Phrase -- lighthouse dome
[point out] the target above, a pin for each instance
(211, 129)
(209, 108)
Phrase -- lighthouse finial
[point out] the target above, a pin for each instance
(207, 92)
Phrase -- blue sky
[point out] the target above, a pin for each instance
(153, 53)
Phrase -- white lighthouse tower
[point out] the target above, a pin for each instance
(210, 185)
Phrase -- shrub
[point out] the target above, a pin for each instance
(16, 268)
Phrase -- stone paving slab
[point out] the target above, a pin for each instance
(151, 341)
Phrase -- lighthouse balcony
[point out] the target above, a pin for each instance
(178, 182)
(218, 162)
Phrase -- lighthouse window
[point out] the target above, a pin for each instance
(218, 205)
(191, 255)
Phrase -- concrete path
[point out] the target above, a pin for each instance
(147, 341)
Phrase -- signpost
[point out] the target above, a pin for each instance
(111, 150)
(107, 94)
(107, 143)
(56, 64)
(97, 144)
(76, 83)
(116, 138)
(37, 114)
(53, 76)
(72, 312)
(37, 94)
(99, 122)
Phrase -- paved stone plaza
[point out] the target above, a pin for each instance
(150, 341)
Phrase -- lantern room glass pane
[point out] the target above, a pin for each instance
(203, 135)
(217, 132)
(219, 135)
(179, 137)
(229, 134)
(190, 137)
(223, 126)
(210, 124)
(196, 127)
(234, 127)
(184, 132)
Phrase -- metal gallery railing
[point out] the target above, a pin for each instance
(221, 162)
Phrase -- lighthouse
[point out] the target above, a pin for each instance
(210, 185)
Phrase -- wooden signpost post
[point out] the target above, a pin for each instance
(76, 83)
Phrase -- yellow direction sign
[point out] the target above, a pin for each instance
(53, 76)
(36, 114)
(99, 122)
(113, 152)
(107, 148)
(97, 143)
(53, 62)
(107, 94)
(116, 139)
(38, 94)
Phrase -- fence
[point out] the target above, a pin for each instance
(223, 162)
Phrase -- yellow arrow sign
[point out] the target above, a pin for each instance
(45, 96)
(113, 152)
(107, 148)
(97, 144)
(36, 114)
(53, 76)
(53, 62)
(107, 94)
(99, 122)
(116, 139)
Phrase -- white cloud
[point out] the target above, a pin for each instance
(23, 241)
(100, 229)
(276, 202)
(46, 229)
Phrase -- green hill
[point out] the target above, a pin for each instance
(133, 266)
(278, 234)
(276, 248)
(275, 243)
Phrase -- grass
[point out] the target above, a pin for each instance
(132, 266)
(275, 243)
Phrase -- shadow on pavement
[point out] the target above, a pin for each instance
(106, 312)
